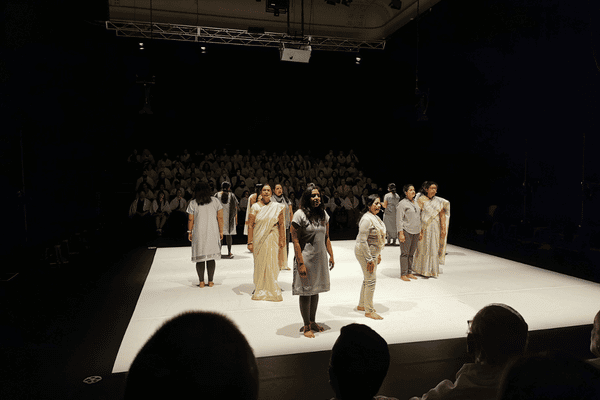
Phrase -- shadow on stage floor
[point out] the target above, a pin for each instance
(65, 324)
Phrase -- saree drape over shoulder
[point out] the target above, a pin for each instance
(267, 253)
(431, 251)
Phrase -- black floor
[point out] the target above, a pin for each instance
(63, 323)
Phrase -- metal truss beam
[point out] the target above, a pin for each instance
(200, 34)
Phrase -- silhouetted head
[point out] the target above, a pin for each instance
(194, 355)
(359, 363)
(497, 333)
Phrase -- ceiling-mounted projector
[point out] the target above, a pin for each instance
(295, 53)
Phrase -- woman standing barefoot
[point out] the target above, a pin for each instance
(369, 243)
(310, 235)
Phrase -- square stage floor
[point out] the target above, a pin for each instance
(425, 309)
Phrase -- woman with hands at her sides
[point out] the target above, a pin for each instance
(205, 231)
(310, 236)
(408, 225)
(266, 240)
(435, 217)
(369, 243)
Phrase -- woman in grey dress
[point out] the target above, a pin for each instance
(230, 206)
(205, 231)
(310, 236)
(390, 204)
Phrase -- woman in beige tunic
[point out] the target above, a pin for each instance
(369, 243)
(266, 240)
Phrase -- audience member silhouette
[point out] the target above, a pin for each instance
(549, 376)
(497, 334)
(194, 355)
(595, 341)
(359, 362)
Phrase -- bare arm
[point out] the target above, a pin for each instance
(190, 226)
(297, 250)
(329, 249)
(281, 224)
(251, 220)
(220, 220)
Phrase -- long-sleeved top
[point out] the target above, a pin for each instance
(164, 207)
(408, 217)
(137, 206)
(473, 381)
(178, 204)
(371, 236)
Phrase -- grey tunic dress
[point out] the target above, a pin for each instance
(314, 253)
(389, 215)
(206, 243)
(229, 227)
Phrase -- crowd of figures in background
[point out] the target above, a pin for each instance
(163, 184)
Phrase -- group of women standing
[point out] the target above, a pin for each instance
(419, 222)
(420, 225)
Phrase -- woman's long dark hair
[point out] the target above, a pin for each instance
(202, 193)
(225, 197)
(314, 214)
(226, 186)
(160, 201)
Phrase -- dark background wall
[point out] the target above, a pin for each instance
(513, 99)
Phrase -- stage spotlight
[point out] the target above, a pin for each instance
(203, 49)
(141, 46)
(358, 60)
(396, 4)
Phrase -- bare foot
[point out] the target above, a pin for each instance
(373, 315)
(359, 308)
(307, 332)
(316, 327)
(201, 284)
(211, 284)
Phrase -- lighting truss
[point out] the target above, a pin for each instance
(202, 34)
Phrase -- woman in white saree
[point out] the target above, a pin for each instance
(435, 217)
(266, 240)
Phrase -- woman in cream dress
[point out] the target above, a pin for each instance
(435, 217)
(266, 240)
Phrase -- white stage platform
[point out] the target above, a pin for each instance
(425, 309)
